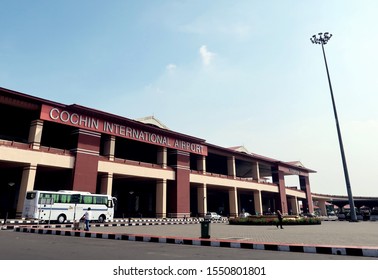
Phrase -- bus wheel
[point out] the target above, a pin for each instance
(101, 219)
(61, 218)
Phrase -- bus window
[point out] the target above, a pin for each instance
(47, 198)
(101, 200)
(87, 199)
(104, 200)
(42, 197)
(56, 198)
(65, 198)
(96, 200)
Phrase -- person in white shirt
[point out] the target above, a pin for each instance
(87, 217)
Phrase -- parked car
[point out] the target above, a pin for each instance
(331, 217)
(309, 215)
(374, 214)
(212, 216)
(244, 215)
(359, 216)
(341, 215)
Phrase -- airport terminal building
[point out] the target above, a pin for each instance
(151, 170)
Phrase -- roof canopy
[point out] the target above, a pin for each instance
(151, 120)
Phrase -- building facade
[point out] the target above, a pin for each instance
(151, 170)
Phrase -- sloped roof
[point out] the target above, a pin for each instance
(241, 149)
(296, 163)
(152, 121)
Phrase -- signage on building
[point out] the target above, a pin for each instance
(59, 115)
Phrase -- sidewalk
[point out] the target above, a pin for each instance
(331, 237)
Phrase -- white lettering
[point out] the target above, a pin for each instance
(148, 136)
(64, 116)
(54, 114)
(199, 149)
(129, 132)
(108, 127)
(116, 128)
(135, 134)
(153, 138)
(141, 136)
(74, 118)
(83, 121)
(94, 123)
(122, 130)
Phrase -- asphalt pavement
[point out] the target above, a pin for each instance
(330, 237)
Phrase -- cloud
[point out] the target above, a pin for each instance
(171, 67)
(206, 55)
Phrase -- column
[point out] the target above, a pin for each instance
(109, 147)
(202, 200)
(27, 184)
(323, 208)
(161, 199)
(279, 179)
(86, 160)
(107, 183)
(35, 134)
(304, 183)
(256, 171)
(201, 164)
(233, 200)
(293, 205)
(231, 166)
(180, 194)
(162, 157)
(258, 202)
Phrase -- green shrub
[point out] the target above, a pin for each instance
(271, 220)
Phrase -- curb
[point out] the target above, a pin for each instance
(297, 248)
(120, 223)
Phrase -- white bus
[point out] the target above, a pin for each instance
(64, 206)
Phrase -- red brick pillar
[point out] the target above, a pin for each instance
(308, 206)
(279, 179)
(180, 196)
(86, 160)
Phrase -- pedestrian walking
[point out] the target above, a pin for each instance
(280, 218)
(87, 217)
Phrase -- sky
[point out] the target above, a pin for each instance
(230, 72)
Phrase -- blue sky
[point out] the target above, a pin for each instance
(231, 72)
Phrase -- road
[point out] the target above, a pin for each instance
(33, 256)
(26, 246)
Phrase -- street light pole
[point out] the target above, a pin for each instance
(323, 39)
